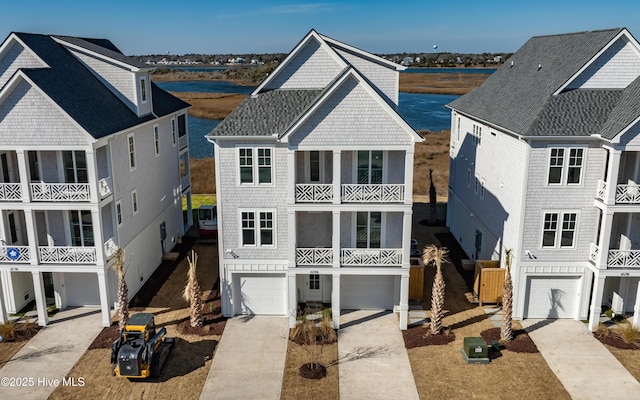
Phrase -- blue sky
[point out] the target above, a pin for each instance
(248, 26)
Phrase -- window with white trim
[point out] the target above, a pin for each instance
(563, 169)
(134, 201)
(458, 131)
(477, 135)
(119, 212)
(143, 90)
(559, 230)
(156, 139)
(132, 151)
(255, 166)
(257, 228)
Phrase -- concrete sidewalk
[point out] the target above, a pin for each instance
(51, 353)
(373, 360)
(585, 367)
(249, 360)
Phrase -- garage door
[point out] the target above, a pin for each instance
(366, 292)
(552, 297)
(260, 294)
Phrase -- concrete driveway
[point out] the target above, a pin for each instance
(47, 358)
(373, 360)
(585, 367)
(249, 361)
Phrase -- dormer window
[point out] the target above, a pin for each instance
(143, 90)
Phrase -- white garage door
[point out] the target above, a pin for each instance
(260, 294)
(552, 297)
(366, 292)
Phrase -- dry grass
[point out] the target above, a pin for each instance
(433, 154)
(630, 359)
(203, 175)
(451, 83)
(186, 370)
(8, 350)
(210, 105)
(296, 387)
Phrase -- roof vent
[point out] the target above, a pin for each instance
(539, 67)
(511, 64)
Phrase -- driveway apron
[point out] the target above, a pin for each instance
(373, 360)
(46, 359)
(585, 367)
(249, 360)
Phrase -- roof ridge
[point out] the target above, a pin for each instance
(578, 33)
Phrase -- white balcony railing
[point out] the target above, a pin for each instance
(15, 254)
(602, 190)
(67, 255)
(183, 141)
(60, 191)
(623, 259)
(628, 194)
(105, 186)
(372, 257)
(314, 193)
(185, 182)
(10, 191)
(314, 256)
(594, 251)
(375, 193)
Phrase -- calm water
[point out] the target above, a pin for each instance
(487, 71)
(421, 111)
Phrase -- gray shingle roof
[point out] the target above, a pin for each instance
(266, 114)
(81, 95)
(105, 48)
(518, 97)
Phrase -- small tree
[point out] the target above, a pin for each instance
(506, 333)
(123, 290)
(313, 335)
(192, 293)
(437, 255)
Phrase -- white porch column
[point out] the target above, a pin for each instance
(596, 302)
(605, 238)
(293, 299)
(612, 175)
(636, 309)
(408, 177)
(292, 237)
(404, 300)
(24, 176)
(104, 299)
(32, 236)
(41, 300)
(92, 176)
(337, 171)
(98, 239)
(335, 301)
(335, 239)
(4, 316)
(291, 177)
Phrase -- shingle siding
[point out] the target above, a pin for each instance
(312, 68)
(350, 116)
(16, 57)
(232, 198)
(616, 68)
(27, 118)
(384, 78)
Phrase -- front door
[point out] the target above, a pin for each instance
(314, 288)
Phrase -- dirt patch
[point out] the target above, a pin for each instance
(294, 386)
(521, 342)
(313, 371)
(15, 336)
(613, 340)
(418, 336)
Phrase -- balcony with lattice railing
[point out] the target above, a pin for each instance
(616, 258)
(372, 193)
(314, 193)
(625, 193)
(10, 192)
(60, 192)
(371, 257)
(316, 256)
(15, 254)
(67, 255)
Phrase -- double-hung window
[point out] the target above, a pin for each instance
(132, 151)
(559, 229)
(257, 228)
(256, 166)
(565, 166)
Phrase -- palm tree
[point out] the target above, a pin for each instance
(437, 255)
(192, 293)
(506, 333)
(123, 290)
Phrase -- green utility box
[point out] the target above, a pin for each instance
(475, 351)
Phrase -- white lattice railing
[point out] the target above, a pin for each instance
(185, 182)
(594, 250)
(15, 254)
(314, 256)
(67, 255)
(104, 186)
(314, 193)
(623, 259)
(183, 141)
(602, 190)
(628, 194)
(372, 257)
(10, 191)
(110, 248)
(382, 193)
(60, 191)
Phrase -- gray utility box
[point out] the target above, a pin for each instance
(475, 351)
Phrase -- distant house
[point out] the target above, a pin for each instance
(93, 156)
(545, 161)
(407, 61)
(314, 185)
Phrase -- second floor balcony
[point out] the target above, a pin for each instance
(349, 257)
(616, 258)
(624, 193)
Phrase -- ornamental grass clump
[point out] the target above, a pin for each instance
(437, 255)
(628, 333)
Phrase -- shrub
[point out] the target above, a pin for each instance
(628, 333)
(8, 331)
